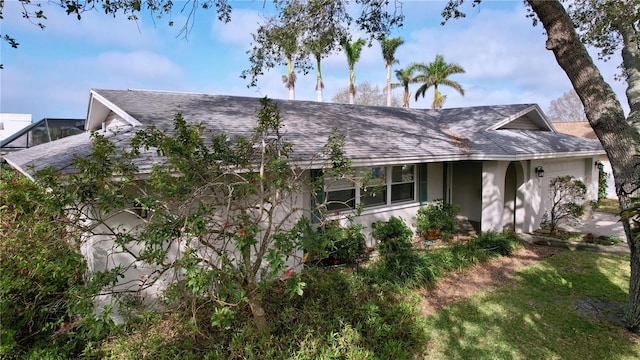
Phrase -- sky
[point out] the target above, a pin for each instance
(52, 71)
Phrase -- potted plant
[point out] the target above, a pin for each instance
(437, 219)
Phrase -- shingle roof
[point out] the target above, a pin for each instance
(374, 135)
(576, 128)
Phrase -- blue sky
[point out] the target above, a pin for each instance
(52, 71)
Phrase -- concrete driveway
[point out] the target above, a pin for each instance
(600, 223)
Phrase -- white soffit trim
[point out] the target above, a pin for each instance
(537, 115)
(101, 115)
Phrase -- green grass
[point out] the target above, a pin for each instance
(541, 317)
(354, 314)
(577, 236)
(610, 206)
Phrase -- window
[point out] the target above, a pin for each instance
(341, 194)
(402, 183)
(375, 193)
(384, 185)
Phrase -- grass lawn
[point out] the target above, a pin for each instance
(562, 308)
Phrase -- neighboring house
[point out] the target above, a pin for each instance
(12, 123)
(494, 161)
(43, 131)
(583, 129)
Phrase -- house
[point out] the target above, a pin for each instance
(12, 123)
(583, 129)
(494, 161)
(40, 132)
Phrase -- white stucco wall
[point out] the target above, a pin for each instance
(532, 198)
(142, 279)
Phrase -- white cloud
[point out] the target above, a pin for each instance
(95, 28)
(238, 31)
(51, 73)
(61, 88)
(138, 65)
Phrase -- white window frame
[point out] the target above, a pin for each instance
(388, 182)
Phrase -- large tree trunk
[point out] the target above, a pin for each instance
(606, 116)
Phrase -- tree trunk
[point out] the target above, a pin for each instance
(319, 83)
(256, 309)
(606, 116)
(291, 82)
(319, 87)
(352, 87)
(405, 97)
(388, 85)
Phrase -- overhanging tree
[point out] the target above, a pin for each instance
(609, 25)
(223, 216)
(618, 134)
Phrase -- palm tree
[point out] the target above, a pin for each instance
(321, 45)
(277, 42)
(405, 77)
(435, 74)
(389, 47)
(352, 50)
(322, 34)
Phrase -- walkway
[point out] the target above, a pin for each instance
(597, 223)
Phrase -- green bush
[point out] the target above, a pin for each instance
(438, 215)
(342, 244)
(393, 235)
(497, 243)
(43, 298)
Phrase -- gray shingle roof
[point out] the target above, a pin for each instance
(380, 135)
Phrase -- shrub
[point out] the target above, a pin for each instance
(497, 243)
(342, 244)
(602, 185)
(393, 235)
(394, 229)
(43, 298)
(438, 215)
(567, 198)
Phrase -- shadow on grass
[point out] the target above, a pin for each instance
(543, 316)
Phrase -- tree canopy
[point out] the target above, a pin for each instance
(437, 73)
